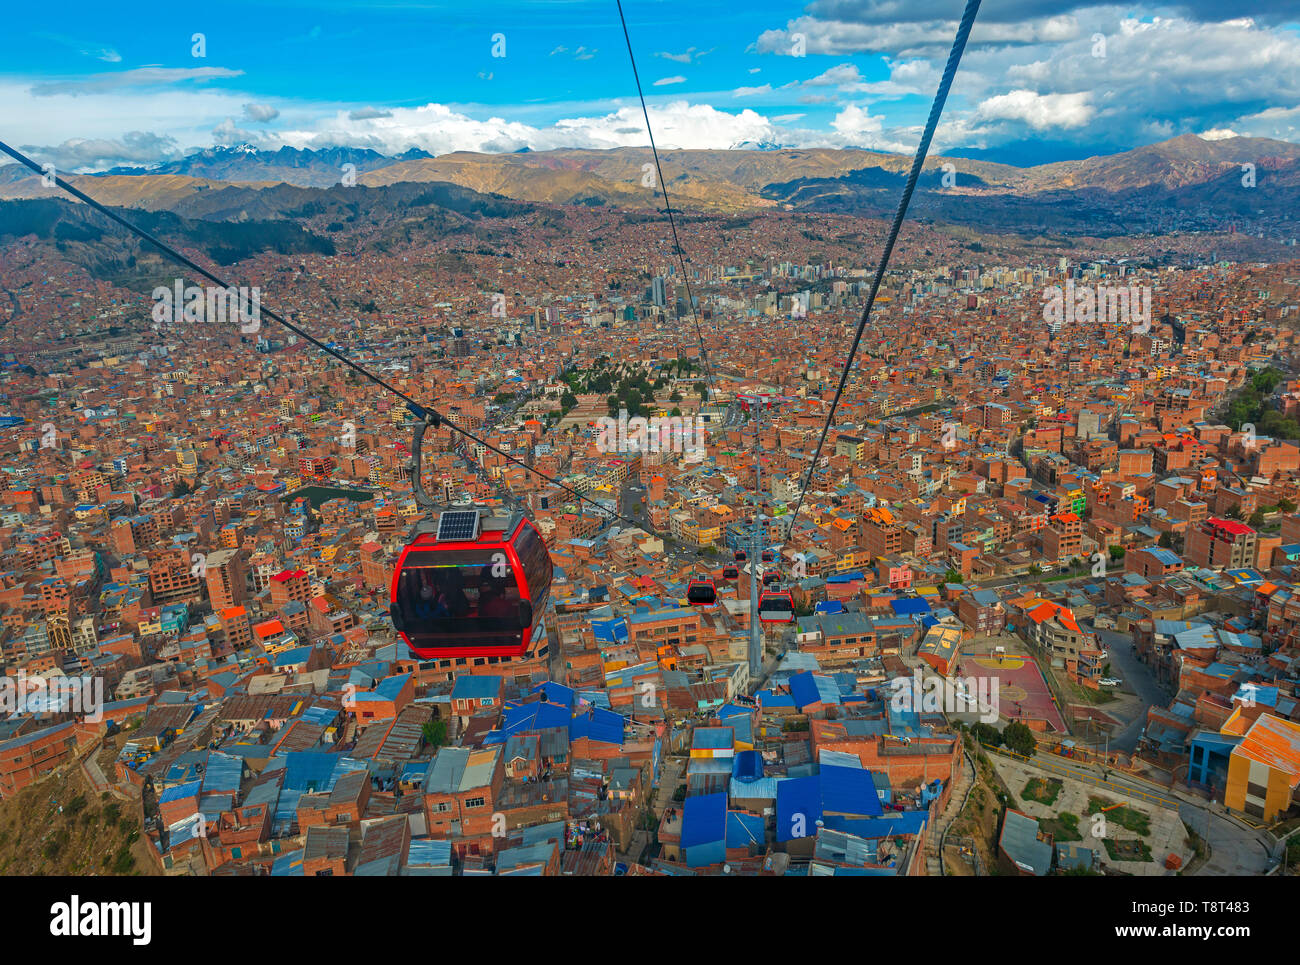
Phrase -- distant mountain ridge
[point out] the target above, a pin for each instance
(1188, 175)
(304, 167)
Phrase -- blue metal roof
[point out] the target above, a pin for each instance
(847, 577)
(808, 688)
(704, 819)
(747, 765)
(909, 606)
(180, 792)
(476, 687)
(744, 829)
(798, 807)
(713, 738)
(609, 631)
(848, 790)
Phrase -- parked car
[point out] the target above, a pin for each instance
(1110, 681)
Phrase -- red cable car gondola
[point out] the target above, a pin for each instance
(768, 556)
(740, 556)
(469, 584)
(701, 593)
(776, 606)
(730, 573)
(769, 577)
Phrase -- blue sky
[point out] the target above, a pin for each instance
(102, 85)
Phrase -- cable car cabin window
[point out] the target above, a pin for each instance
(536, 561)
(469, 595)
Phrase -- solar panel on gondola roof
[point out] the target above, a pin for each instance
(458, 525)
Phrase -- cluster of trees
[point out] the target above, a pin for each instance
(1015, 737)
(1252, 406)
(626, 386)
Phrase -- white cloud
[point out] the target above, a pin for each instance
(854, 122)
(440, 129)
(839, 76)
(687, 56)
(930, 38)
(77, 154)
(1159, 76)
(261, 113)
(139, 77)
(1039, 111)
(666, 81)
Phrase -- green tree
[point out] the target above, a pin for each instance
(434, 732)
(1019, 738)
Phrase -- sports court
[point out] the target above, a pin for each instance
(1022, 692)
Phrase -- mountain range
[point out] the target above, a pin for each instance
(1186, 183)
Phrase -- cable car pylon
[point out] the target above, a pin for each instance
(755, 644)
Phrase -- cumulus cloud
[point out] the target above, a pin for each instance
(1039, 111)
(227, 134)
(1008, 11)
(440, 129)
(1140, 80)
(93, 154)
(261, 113)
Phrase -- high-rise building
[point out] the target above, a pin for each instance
(227, 580)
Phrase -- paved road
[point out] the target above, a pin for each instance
(1138, 680)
